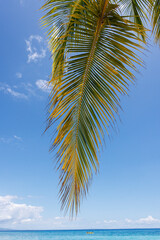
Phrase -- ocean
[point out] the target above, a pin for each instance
(129, 234)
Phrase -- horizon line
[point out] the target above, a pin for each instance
(80, 229)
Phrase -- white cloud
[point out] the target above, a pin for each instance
(43, 85)
(17, 213)
(128, 220)
(109, 221)
(25, 90)
(16, 94)
(28, 87)
(7, 198)
(11, 140)
(17, 138)
(9, 90)
(35, 52)
(58, 218)
(65, 221)
(147, 220)
(19, 75)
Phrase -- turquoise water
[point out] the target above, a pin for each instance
(143, 234)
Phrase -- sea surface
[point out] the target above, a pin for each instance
(136, 234)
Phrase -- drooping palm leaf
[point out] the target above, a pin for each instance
(138, 11)
(100, 54)
(59, 21)
(156, 20)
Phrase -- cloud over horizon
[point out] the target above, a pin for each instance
(145, 220)
(24, 216)
(16, 213)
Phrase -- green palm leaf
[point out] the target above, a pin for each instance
(58, 19)
(138, 12)
(100, 54)
(156, 20)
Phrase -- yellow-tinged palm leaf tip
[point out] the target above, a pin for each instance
(93, 49)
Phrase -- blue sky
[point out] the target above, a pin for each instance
(125, 193)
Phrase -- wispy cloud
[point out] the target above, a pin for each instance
(64, 221)
(5, 140)
(24, 90)
(11, 140)
(43, 85)
(16, 94)
(110, 221)
(35, 48)
(19, 75)
(16, 213)
(146, 220)
(18, 138)
(9, 90)
(142, 222)
(28, 87)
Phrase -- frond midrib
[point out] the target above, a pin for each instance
(84, 78)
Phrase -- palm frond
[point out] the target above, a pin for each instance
(156, 20)
(58, 20)
(98, 66)
(138, 12)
